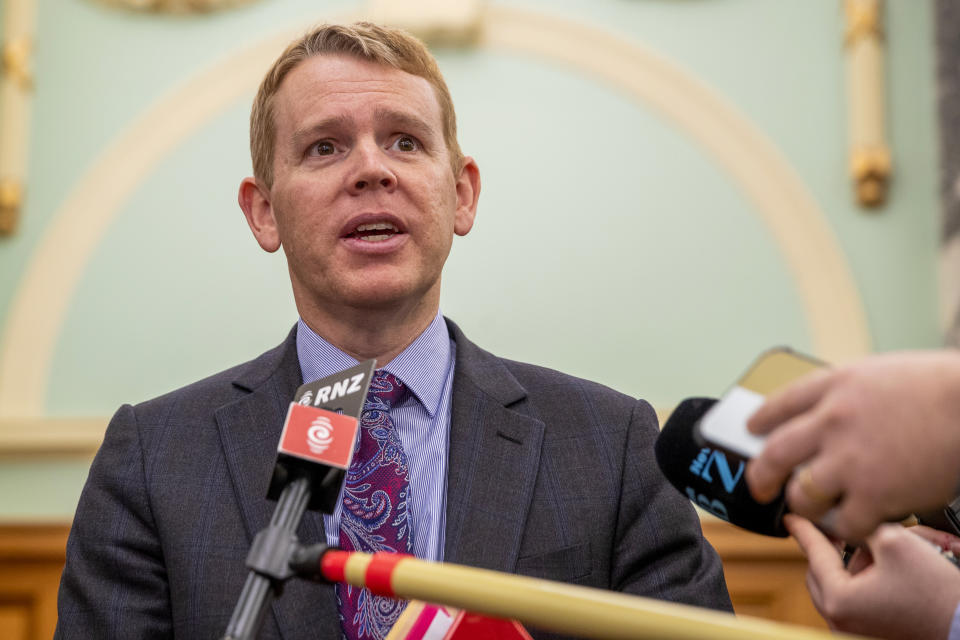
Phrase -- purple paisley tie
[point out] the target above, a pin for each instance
(374, 516)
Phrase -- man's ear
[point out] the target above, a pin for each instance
(468, 192)
(254, 199)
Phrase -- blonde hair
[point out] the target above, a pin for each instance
(365, 41)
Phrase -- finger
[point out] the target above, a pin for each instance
(942, 539)
(796, 441)
(826, 568)
(930, 534)
(854, 519)
(816, 593)
(860, 560)
(887, 537)
(815, 488)
(796, 526)
(903, 552)
(827, 524)
(795, 399)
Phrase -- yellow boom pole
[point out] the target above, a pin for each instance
(551, 606)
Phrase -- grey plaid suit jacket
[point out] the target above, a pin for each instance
(549, 476)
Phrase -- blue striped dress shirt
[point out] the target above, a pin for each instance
(426, 367)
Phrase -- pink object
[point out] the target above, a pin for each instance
(473, 626)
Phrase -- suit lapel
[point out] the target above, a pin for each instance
(493, 461)
(249, 432)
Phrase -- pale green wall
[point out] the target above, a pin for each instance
(607, 244)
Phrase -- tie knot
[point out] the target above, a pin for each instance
(387, 389)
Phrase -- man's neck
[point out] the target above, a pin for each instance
(381, 334)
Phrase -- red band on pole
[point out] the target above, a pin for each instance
(379, 571)
(333, 565)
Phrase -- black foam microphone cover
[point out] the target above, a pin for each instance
(713, 479)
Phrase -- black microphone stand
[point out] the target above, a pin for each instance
(276, 555)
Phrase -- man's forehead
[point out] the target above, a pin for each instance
(335, 74)
(320, 83)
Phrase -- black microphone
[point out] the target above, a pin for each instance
(315, 450)
(713, 479)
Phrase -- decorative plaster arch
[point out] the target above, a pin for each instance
(834, 311)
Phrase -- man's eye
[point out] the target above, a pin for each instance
(406, 143)
(324, 149)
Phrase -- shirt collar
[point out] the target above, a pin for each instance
(422, 366)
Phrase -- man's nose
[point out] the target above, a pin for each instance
(370, 170)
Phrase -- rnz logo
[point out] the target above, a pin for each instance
(701, 466)
(320, 434)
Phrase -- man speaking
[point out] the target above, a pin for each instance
(471, 459)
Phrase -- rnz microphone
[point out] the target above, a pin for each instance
(713, 479)
(315, 451)
(319, 433)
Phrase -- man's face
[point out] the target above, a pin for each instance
(364, 201)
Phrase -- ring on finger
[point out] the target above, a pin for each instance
(812, 490)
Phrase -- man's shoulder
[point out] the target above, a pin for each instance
(547, 390)
(537, 379)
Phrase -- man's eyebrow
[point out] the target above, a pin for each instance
(403, 120)
(317, 128)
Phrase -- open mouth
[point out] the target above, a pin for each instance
(374, 232)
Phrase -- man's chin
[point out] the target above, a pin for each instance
(375, 291)
(384, 297)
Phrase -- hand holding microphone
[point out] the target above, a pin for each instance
(705, 447)
(849, 447)
(874, 440)
(854, 447)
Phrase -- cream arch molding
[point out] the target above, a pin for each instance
(834, 311)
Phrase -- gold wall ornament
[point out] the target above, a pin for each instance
(16, 92)
(863, 21)
(870, 168)
(871, 164)
(175, 6)
(438, 22)
(16, 61)
(11, 199)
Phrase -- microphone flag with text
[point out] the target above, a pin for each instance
(710, 477)
(314, 453)
(319, 433)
